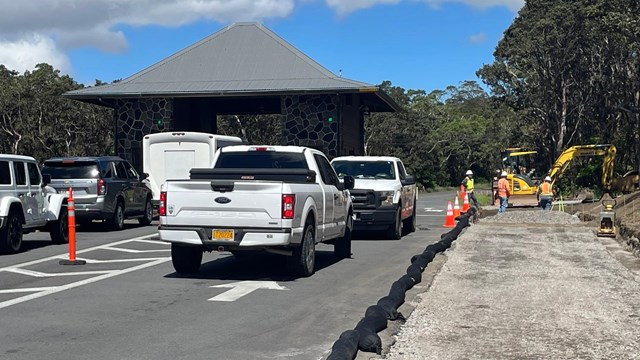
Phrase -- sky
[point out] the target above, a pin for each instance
(415, 44)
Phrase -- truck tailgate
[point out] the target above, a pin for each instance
(249, 204)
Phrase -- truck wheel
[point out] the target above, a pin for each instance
(302, 261)
(59, 229)
(409, 224)
(148, 214)
(11, 235)
(342, 246)
(395, 231)
(186, 259)
(117, 220)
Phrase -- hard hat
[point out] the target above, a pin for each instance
(469, 172)
(503, 174)
(548, 178)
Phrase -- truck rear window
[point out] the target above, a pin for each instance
(74, 170)
(365, 169)
(261, 160)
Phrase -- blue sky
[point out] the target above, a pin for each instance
(416, 44)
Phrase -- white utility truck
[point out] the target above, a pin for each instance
(384, 195)
(279, 199)
(27, 204)
(170, 155)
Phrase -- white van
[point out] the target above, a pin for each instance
(170, 155)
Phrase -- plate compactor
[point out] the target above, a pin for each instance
(608, 219)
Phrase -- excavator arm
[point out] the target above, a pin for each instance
(608, 151)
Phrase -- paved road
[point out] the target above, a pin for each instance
(127, 302)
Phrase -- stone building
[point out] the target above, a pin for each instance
(244, 68)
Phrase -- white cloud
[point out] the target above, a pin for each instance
(25, 54)
(478, 38)
(343, 7)
(61, 25)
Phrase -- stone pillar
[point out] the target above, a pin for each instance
(136, 118)
(312, 121)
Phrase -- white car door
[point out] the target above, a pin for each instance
(36, 194)
(29, 205)
(406, 194)
(328, 225)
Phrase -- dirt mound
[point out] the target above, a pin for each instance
(533, 217)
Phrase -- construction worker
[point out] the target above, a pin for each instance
(545, 194)
(504, 191)
(467, 186)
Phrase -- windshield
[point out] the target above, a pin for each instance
(75, 170)
(261, 160)
(365, 169)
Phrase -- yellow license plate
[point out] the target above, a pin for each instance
(222, 235)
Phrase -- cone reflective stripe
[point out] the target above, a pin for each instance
(456, 208)
(449, 221)
(71, 221)
(465, 204)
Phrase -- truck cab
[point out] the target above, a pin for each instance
(384, 195)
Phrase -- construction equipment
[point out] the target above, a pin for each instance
(524, 186)
(607, 219)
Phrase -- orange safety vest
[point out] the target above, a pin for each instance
(503, 188)
(545, 189)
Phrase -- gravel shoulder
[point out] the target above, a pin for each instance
(526, 285)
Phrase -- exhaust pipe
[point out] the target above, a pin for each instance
(220, 248)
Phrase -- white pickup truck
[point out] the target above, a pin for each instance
(384, 195)
(279, 199)
(27, 204)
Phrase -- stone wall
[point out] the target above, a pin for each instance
(136, 118)
(313, 121)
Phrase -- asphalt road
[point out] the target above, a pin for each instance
(128, 303)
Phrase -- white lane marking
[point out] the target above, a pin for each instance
(432, 210)
(42, 274)
(157, 242)
(430, 215)
(22, 299)
(96, 261)
(20, 290)
(242, 288)
(66, 255)
(132, 251)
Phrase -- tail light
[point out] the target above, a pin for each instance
(102, 187)
(162, 210)
(288, 205)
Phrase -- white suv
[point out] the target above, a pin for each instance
(384, 195)
(27, 204)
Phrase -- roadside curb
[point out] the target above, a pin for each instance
(364, 336)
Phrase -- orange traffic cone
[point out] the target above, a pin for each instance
(449, 221)
(456, 208)
(465, 204)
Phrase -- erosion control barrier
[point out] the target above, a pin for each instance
(364, 336)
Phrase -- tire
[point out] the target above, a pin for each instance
(148, 214)
(117, 219)
(342, 246)
(303, 260)
(11, 235)
(186, 259)
(409, 224)
(59, 229)
(395, 230)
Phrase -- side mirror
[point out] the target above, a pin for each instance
(144, 176)
(409, 180)
(349, 182)
(46, 179)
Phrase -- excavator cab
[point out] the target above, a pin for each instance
(608, 219)
(516, 162)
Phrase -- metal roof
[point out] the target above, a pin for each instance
(242, 59)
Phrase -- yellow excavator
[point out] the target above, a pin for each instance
(523, 184)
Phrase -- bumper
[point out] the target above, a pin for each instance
(375, 218)
(243, 238)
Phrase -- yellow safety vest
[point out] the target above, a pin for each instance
(545, 189)
(469, 185)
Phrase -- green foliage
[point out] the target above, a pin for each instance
(36, 120)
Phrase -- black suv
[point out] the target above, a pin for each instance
(104, 188)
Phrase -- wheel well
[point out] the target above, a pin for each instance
(311, 218)
(15, 207)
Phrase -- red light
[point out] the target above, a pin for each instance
(261, 149)
(162, 210)
(102, 187)
(288, 205)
